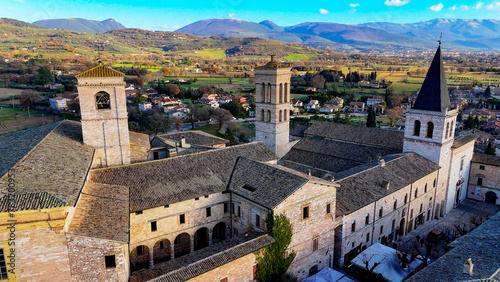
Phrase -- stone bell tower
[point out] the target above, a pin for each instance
(430, 125)
(272, 106)
(101, 91)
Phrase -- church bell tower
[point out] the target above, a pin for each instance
(101, 91)
(272, 106)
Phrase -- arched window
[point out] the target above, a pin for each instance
(285, 111)
(281, 115)
(451, 131)
(268, 115)
(430, 129)
(262, 93)
(416, 128)
(268, 100)
(281, 93)
(286, 92)
(102, 100)
(262, 115)
(447, 129)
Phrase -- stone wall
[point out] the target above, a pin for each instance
(241, 269)
(87, 258)
(491, 181)
(459, 175)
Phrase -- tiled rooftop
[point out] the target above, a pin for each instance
(167, 181)
(100, 71)
(204, 260)
(57, 165)
(364, 184)
(195, 137)
(266, 184)
(486, 159)
(102, 212)
(31, 201)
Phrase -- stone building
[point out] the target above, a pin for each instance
(484, 178)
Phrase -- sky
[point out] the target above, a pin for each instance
(171, 15)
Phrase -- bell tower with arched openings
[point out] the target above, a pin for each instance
(272, 106)
(430, 125)
(101, 91)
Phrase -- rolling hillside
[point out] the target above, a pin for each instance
(81, 25)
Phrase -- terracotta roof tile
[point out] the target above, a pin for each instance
(195, 137)
(31, 201)
(486, 159)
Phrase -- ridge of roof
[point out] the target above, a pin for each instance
(100, 71)
(433, 95)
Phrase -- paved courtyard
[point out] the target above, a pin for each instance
(465, 216)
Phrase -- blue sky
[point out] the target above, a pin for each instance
(170, 15)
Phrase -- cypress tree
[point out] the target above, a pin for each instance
(371, 120)
(490, 149)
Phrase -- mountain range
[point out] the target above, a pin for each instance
(462, 34)
(81, 25)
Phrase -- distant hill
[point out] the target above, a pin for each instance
(458, 34)
(29, 38)
(81, 25)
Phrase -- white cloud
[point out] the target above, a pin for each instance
(465, 7)
(231, 15)
(453, 8)
(396, 2)
(478, 6)
(354, 5)
(493, 6)
(437, 7)
(323, 11)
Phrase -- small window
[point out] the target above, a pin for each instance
(425, 188)
(381, 212)
(406, 198)
(206, 196)
(257, 220)
(209, 212)
(182, 218)
(196, 199)
(315, 244)
(435, 183)
(421, 207)
(395, 203)
(430, 129)
(367, 237)
(328, 208)
(381, 229)
(411, 214)
(239, 211)
(479, 181)
(481, 167)
(226, 207)
(138, 212)
(416, 192)
(416, 128)
(166, 206)
(153, 226)
(102, 101)
(232, 208)
(249, 188)
(305, 212)
(110, 261)
(462, 160)
(367, 219)
(393, 224)
(353, 226)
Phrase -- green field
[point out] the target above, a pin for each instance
(294, 57)
(211, 53)
(16, 113)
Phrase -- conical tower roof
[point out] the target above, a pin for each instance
(433, 95)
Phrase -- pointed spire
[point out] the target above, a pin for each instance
(433, 95)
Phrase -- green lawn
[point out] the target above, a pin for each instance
(211, 53)
(210, 129)
(300, 56)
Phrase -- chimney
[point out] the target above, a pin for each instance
(273, 58)
(468, 267)
(381, 162)
(183, 143)
(386, 184)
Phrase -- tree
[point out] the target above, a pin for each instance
(229, 136)
(490, 149)
(157, 123)
(487, 92)
(196, 114)
(172, 89)
(236, 109)
(29, 97)
(394, 114)
(371, 120)
(221, 116)
(318, 81)
(205, 89)
(178, 123)
(273, 263)
(43, 77)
